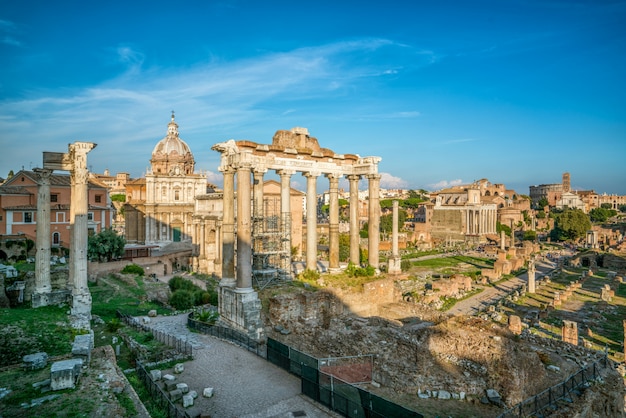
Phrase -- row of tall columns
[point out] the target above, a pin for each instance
(479, 221)
(244, 232)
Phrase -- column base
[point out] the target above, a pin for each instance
(80, 314)
(241, 311)
(394, 265)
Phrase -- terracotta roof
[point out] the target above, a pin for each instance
(14, 190)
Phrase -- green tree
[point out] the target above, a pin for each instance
(10, 175)
(505, 228)
(622, 208)
(606, 206)
(344, 247)
(571, 224)
(601, 214)
(386, 221)
(105, 246)
(530, 236)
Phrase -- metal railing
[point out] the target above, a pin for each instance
(549, 399)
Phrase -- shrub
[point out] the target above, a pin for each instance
(201, 297)
(114, 325)
(182, 299)
(310, 275)
(405, 265)
(133, 269)
(179, 283)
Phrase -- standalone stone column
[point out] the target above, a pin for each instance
(531, 277)
(81, 297)
(42, 258)
(228, 229)
(374, 220)
(311, 220)
(285, 206)
(502, 239)
(355, 256)
(244, 233)
(394, 263)
(333, 225)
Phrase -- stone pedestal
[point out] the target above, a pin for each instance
(394, 265)
(241, 310)
(80, 314)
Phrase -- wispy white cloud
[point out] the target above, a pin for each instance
(388, 181)
(444, 184)
(130, 111)
(9, 29)
(7, 40)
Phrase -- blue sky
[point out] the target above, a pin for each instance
(446, 92)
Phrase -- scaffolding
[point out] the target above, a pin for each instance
(271, 249)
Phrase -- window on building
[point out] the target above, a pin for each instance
(28, 217)
(56, 238)
(90, 216)
(60, 217)
(176, 195)
(54, 197)
(98, 198)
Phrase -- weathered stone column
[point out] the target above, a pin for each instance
(42, 258)
(258, 193)
(532, 287)
(285, 206)
(355, 256)
(311, 220)
(228, 229)
(333, 224)
(394, 261)
(502, 240)
(81, 297)
(374, 220)
(244, 233)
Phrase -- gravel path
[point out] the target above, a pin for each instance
(246, 386)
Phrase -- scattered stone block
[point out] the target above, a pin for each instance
(187, 401)
(169, 377)
(193, 394)
(554, 368)
(64, 374)
(444, 394)
(170, 385)
(183, 387)
(175, 395)
(155, 375)
(208, 392)
(179, 368)
(462, 396)
(82, 346)
(494, 397)
(35, 361)
(152, 313)
(145, 319)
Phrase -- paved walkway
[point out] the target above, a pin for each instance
(246, 385)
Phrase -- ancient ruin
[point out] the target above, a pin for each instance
(290, 152)
(74, 161)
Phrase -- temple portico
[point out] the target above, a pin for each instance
(290, 152)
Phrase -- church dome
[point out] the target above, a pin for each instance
(171, 155)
